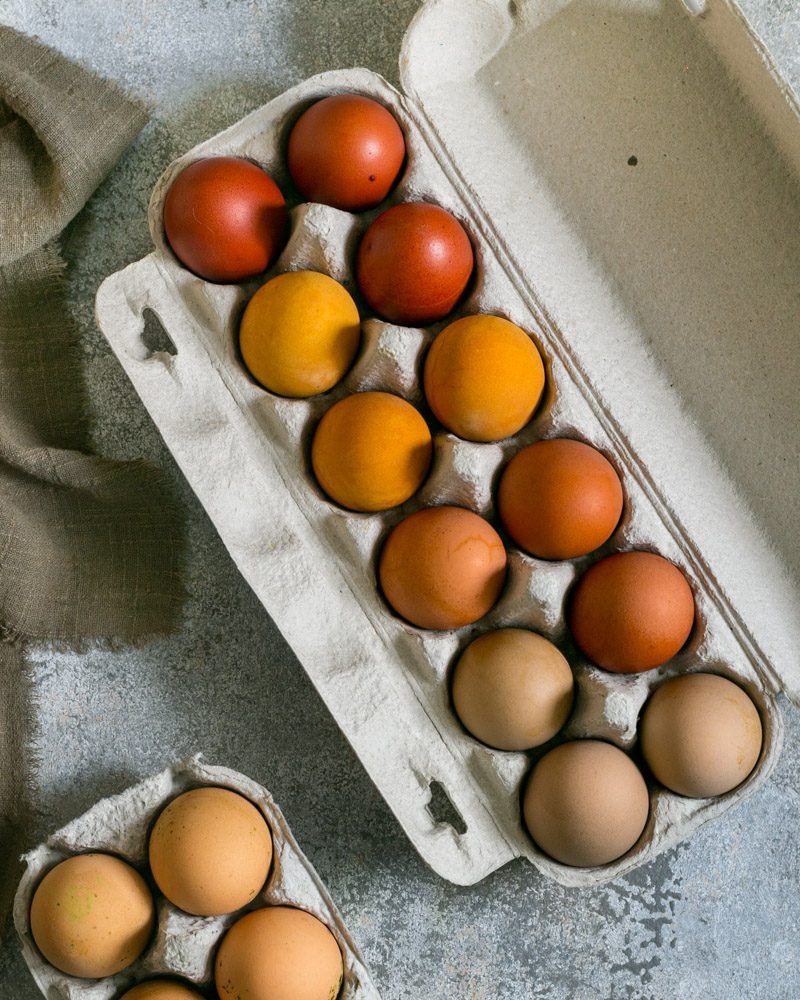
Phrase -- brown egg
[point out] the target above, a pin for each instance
(586, 803)
(631, 612)
(346, 151)
(278, 953)
(414, 263)
(92, 915)
(512, 689)
(700, 735)
(161, 989)
(484, 378)
(225, 218)
(371, 451)
(210, 851)
(442, 567)
(559, 499)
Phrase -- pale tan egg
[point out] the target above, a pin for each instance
(512, 689)
(210, 851)
(92, 915)
(586, 803)
(161, 989)
(701, 735)
(278, 953)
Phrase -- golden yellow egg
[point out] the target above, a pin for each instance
(161, 989)
(92, 915)
(371, 451)
(299, 333)
(210, 851)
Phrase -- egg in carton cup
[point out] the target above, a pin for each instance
(313, 565)
(183, 946)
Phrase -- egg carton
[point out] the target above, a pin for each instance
(313, 565)
(183, 945)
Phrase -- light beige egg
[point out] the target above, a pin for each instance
(161, 989)
(701, 735)
(92, 915)
(278, 953)
(512, 689)
(586, 803)
(210, 851)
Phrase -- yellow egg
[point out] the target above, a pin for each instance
(371, 451)
(161, 989)
(210, 851)
(483, 378)
(92, 915)
(278, 953)
(299, 333)
(512, 689)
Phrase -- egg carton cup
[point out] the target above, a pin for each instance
(183, 945)
(313, 565)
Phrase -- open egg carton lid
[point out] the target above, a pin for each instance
(183, 945)
(604, 160)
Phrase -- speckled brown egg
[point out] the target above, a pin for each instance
(586, 803)
(512, 689)
(442, 567)
(632, 611)
(92, 915)
(700, 735)
(278, 953)
(161, 989)
(559, 499)
(210, 851)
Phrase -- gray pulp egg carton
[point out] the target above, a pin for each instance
(183, 945)
(600, 156)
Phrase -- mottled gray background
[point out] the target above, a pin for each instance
(715, 919)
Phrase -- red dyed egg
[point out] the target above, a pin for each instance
(414, 263)
(225, 218)
(346, 151)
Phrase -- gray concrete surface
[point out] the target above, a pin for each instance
(715, 919)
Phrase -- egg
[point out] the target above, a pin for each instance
(299, 333)
(346, 151)
(161, 989)
(442, 567)
(701, 735)
(512, 689)
(586, 803)
(371, 451)
(631, 611)
(559, 499)
(278, 953)
(225, 218)
(210, 851)
(413, 263)
(483, 378)
(92, 915)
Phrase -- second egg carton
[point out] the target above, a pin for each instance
(183, 945)
(313, 565)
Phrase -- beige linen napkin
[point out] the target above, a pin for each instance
(88, 548)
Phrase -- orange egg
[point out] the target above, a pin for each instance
(559, 499)
(346, 151)
(586, 803)
(225, 218)
(371, 451)
(483, 378)
(442, 567)
(299, 333)
(413, 263)
(161, 989)
(631, 612)
(700, 734)
(278, 953)
(210, 851)
(92, 915)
